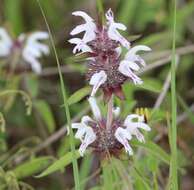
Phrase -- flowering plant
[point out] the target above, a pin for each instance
(103, 46)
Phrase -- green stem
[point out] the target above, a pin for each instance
(100, 8)
(75, 165)
(173, 165)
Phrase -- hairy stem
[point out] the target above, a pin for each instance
(110, 113)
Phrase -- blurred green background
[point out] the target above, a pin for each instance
(150, 23)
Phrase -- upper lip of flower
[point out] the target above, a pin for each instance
(80, 45)
(130, 63)
(97, 80)
(89, 27)
(123, 135)
(113, 27)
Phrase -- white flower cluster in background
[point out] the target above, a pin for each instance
(32, 48)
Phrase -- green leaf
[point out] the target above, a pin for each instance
(155, 150)
(46, 114)
(60, 164)
(127, 12)
(140, 180)
(151, 85)
(32, 85)
(78, 95)
(32, 167)
(13, 14)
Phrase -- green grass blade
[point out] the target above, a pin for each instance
(13, 14)
(100, 8)
(59, 164)
(75, 165)
(173, 137)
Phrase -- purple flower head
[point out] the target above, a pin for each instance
(103, 45)
(94, 132)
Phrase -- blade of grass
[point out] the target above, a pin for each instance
(13, 13)
(127, 11)
(75, 165)
(173, 137)
(100, 8)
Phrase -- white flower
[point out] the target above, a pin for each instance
(33, 49)
(5, 43)
(126, 68)
(97, 80)
(134, 126)
(80, 45)
(123, 137)
(129, 64)
(132, 56)
(95, 109)
(84, 133)
(112, 30)
(89, 27)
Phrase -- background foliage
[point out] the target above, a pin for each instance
(35, 152)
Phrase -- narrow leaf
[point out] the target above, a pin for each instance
(46, 114)
(59, 164)
(32, 167)
(155, 150)
(78, 95)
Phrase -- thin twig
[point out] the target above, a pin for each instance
(61, 132)
(154, 65)
(166, 53)
(54, 71)
(184, 115)
(164, 89)
(163, 58)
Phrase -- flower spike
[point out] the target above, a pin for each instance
(93, 132)
(102, 47)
